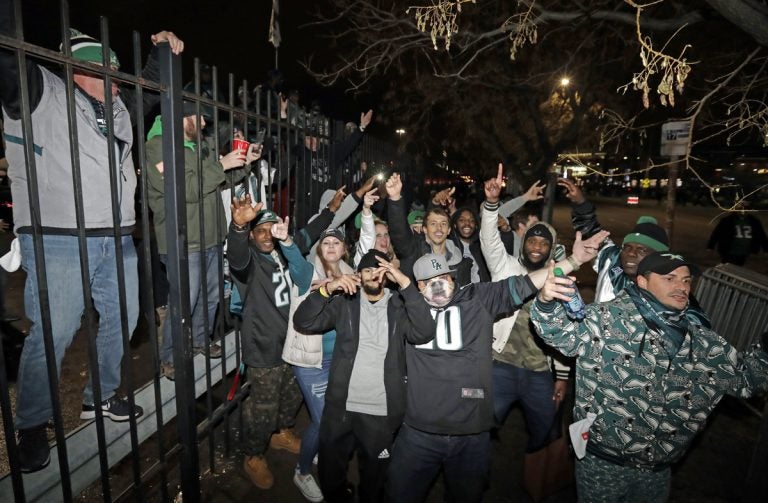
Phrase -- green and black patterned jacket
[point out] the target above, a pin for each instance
(649, 405)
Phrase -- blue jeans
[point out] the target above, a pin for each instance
(534, 391)
(197, 300)
(312, 382)
(65, 294)
(417, 457)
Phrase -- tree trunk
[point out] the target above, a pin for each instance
(671, 195)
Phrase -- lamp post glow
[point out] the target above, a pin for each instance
(400, 131)
(565, 81)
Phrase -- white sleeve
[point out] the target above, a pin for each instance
(347, 208)
(367, 237)
(512, 206)
(501, 265)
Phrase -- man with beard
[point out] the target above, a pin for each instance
(264, 275)
(465, 237)
(522, 363)
(365, 397)
(648, 374)
(437, 226)
(449, 412)
(204, 250)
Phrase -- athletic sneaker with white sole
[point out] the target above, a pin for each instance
(115, 408)
(308, 487)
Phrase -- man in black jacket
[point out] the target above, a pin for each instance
(437, 227)
(449, 407)
(365, 398)
(266, 262)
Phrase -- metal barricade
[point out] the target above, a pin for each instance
(736, 300)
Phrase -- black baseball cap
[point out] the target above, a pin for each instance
(664, 263)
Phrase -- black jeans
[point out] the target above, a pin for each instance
(342, 433)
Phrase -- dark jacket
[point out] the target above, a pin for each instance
(408, 317)
(449, 378)
(738, 235)
(409, 247)
(265, 289)
(212, 173)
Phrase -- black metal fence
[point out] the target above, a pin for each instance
(201, 408)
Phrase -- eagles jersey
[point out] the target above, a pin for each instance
(449, 377)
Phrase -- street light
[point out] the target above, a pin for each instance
(400, 131)
(565, 81)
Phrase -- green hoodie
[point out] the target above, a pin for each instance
(213, 178)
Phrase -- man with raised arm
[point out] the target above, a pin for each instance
(365, 398)
(50, 133)
(648, 374)
(265, 263)
(449, 409)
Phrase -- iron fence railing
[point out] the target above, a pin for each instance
(302, 154)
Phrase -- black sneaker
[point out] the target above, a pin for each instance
(115, 408)
(215, 350)
(34, 451)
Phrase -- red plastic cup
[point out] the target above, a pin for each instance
(242, 145)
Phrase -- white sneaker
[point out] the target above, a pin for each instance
(308, 487)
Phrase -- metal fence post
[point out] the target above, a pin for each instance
(178, 269)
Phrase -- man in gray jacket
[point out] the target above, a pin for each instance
(55, 212)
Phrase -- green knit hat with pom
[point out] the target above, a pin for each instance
(648, 232)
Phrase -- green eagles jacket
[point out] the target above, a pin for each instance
(649, 405)
(213, 178)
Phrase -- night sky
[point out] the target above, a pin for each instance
(231, 35)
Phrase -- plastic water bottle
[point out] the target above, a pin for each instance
(574, 308)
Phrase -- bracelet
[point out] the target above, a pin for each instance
(573, 262)
(324, 292)
(239, 228)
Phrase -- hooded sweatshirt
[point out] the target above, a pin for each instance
(513, 341)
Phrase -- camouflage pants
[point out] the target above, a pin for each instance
(273, 402)
(600, 481)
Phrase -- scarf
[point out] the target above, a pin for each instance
(621, 281)
(670, 324)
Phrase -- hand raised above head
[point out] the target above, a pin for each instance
(572, 191)
(370, 199)
(367, 186)
(584, 251)
(492, 186)
(338, 198)
(535, 191)
(365, 118)
(177, 45)
(394, 187)
(280, 229)
(243, 211)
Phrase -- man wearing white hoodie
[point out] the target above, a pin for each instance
(522, 364)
